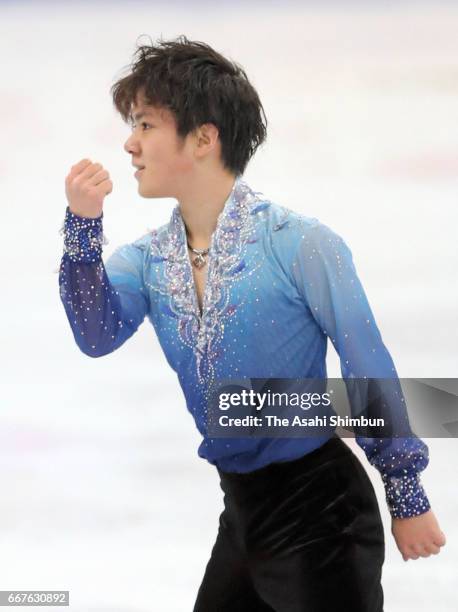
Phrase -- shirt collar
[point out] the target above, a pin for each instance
(228, 218)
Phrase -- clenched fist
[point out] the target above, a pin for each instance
(86, 186)
(418, 536)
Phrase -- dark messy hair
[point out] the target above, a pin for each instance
(198, 85)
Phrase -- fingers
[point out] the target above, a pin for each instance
(88, 171)
(411, 554)
(108, 185)
(85, 170)
(433, 549)
(422, 551)
(98, 177)
(92, 174)
(79, 167)
(417, 551)
(440, 540)
(86, 186)
(418, 536)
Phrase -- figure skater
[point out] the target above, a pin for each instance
(237, 286)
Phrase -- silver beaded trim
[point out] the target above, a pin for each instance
(405, 495)
(235, 229)
(83, 237)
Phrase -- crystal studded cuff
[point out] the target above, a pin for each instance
(83, 237)
(405, 496)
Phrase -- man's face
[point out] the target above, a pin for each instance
(168, 161)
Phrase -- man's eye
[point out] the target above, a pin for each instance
(133, 126)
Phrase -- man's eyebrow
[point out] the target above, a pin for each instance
(138, 116)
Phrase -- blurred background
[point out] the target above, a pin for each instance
(103, 493)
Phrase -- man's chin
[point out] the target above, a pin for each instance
(145, 192)
(148, 191)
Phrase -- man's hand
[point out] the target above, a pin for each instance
(86, 186)
(417, 536)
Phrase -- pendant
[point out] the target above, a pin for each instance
(199, 261)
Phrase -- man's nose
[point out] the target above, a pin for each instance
(130, 145)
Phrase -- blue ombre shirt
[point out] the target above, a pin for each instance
(279, 284)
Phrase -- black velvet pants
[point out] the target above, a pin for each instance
(298, 536)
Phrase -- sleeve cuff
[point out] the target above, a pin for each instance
(83, 237)
(405, 496)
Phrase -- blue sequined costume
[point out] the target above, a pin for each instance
(278, 285)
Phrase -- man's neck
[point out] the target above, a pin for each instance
(201, 206)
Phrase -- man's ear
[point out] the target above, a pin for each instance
(207, 136)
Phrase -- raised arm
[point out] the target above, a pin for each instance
(105, 304)
(326, 278)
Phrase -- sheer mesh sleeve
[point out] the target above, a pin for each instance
(105, 304)
(326, 278)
